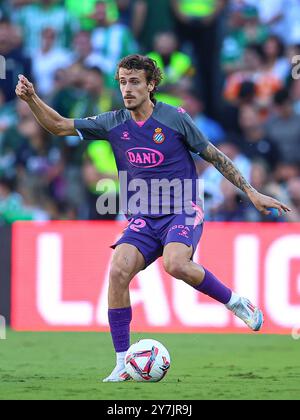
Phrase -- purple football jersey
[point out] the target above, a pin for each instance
(155, 156)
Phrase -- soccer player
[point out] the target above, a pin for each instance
(153, 141)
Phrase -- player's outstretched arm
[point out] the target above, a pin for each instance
(46, 116)
(227, 168)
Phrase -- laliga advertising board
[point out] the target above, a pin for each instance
(61, 270)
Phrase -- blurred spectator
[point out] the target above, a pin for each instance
(67, 89)
(275, 60)
(229, 117)
(176, 67)
(284, 172)
(7, 116)
(13, 207)
(125, 9)
(261, 179)
(110, 42)
(232, 51)
(253, 141)
(47, 61)
(10, 202)
(271, 14)
(150, 18)
(284, 175)
(12, 140)
(32, 157)
(260, 175)
(83, 53)
(16, 61)
(39, 160)
(34, 18)
(252, 31)
(213, 179)
(95, 98)
(84, 56)
(99, 164)
(266, 83)
(199, 23)
(283, 129)
(195, 108)
(232, 208)
(243, 32)
(83, 10)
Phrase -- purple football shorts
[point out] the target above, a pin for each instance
(150, 235)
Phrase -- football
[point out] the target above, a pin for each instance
(147, 361)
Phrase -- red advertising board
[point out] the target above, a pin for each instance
(61, 272)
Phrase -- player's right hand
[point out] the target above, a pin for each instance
(265, 204)
(24, 89)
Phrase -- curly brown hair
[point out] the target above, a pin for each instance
(141, 62)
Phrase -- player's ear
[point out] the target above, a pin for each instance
(151, 87)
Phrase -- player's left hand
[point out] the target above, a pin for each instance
(263, 203)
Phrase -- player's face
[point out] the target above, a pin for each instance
(134, 87)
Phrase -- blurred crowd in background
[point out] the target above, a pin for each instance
(227, 62)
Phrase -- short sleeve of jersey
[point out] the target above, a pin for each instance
(178, 119)
(193, 137)
(94, 128)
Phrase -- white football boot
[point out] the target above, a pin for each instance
(118, 375)
(247, 312)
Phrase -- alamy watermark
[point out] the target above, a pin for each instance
(2, 328)
(296, 68)
(2, 67)
(150, 197)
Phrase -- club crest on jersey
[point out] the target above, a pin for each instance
(159, 136)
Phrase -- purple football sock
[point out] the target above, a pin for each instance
(212, 287)
(119, 321)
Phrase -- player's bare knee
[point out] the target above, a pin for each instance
(119, 276)
(175, 267)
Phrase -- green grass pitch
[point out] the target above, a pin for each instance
(71, 366)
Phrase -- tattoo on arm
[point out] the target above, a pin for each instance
(226, 167)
